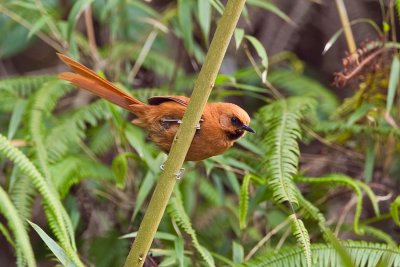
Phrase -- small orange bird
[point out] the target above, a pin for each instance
(221, 125)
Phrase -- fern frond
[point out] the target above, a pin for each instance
(72, 169)
(244, 201)
(101, 139)
(328, 235)
(72, 129)
(355, 129)
(44, 101)
(12, 89)
(209, 192)
(379, 234)
(7, 235)
(394, 210)
(362, 254)
(371, 195)
(282, 151)
(300, 85)
(55, 212)
(155, 61)
(23, 247)
(341, 179)
(24, 85)
(22, 194)
(301, 234)
(178, 214)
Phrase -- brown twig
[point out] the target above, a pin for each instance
(266, 238)
(91, 35)
(341, 79)
(344, 213)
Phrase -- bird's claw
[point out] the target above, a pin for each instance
(178, 174)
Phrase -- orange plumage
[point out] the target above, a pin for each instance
(222, 123)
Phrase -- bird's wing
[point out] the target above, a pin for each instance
(157, 100)
(182, 100)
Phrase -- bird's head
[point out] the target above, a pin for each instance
(234, 120)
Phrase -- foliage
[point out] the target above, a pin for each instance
(280, 141)
(22, 245)
(364, 254)
(178, 214)
(74, 165)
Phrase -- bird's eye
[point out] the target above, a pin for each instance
(235, 120)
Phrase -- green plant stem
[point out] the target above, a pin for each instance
(180, 146)
(346, 26)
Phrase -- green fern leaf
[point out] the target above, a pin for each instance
(244, 201)
(334, 127)
(177, 212)
(315, 214)
(209, 191)
(22, 195)
(394, 210)
(74, 168)
(71, 129)
(14, 89)
(101, 139)
(7, 235)
(341, 179)
(362, 254)
(282, 151)
(155, 61)
(379, 234)
(44, 101)
(301, 234)
(55, 212)
(299, 85)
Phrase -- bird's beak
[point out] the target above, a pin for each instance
(247, 128)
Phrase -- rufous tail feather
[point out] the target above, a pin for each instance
(87, 79)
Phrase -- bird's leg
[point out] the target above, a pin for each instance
(179, 121)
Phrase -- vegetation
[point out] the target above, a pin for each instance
(316, 186)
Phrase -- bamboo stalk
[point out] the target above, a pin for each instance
(185, 134)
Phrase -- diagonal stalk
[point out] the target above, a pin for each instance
(346, 26)
(185, 134)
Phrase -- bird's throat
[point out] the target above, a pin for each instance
(234, 135)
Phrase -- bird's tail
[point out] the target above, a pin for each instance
(87, 79)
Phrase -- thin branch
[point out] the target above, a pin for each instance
(143, 54)
(53, 28)
(343, 214)
(266, 238)
(90, 33)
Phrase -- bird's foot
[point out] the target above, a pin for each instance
(179, 174)
(166, 120)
